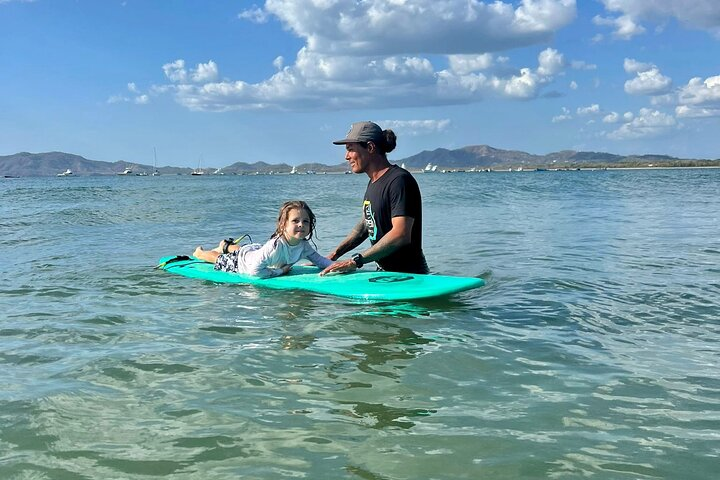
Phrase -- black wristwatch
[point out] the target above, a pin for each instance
(359, 260)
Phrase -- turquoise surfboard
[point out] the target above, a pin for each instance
(365, 285)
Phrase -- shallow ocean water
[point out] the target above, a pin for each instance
(593, 351)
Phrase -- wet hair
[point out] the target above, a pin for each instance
(386, 144)
(285, 213)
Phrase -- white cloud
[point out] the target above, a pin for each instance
(205, 72)
(416, 128)
(696, 14)
(651, 82)
(382, 53)
(590, 110)
(699, 98)
(648, 79)
(341, 82)
(408, 66)
(624, 25)
(582, 65)
(633, 66)
(701, 92)
(175, 71)
(138, 98)
(648, 123)
(550, 62)
(464, 64)
(612, 117)
(398, 27)
(116, 99)
(563, 117)
(685, 111)
(254, 14)
(573, 85)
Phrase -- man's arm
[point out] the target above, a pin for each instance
(398, 236)
(356, 236)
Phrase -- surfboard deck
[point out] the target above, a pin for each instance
(365, 285)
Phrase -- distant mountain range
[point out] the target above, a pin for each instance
(478, 157)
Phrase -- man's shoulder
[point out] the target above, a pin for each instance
(400, 176)
(395, 172)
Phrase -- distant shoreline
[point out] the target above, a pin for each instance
(479, 158)
(413, 171)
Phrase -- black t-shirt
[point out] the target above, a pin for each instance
(396, 194)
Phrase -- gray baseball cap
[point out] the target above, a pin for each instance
(362, 132)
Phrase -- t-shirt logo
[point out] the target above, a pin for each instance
(369, 220)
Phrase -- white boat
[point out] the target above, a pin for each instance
(127, 171)
(66, 173)
(155, 170)
(199, 170)
(294, 170)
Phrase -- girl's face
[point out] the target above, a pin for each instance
(297, 226)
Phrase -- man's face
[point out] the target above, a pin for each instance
(357, 157)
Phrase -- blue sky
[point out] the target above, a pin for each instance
(277, 81)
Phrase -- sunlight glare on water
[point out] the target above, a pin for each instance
(593, 350)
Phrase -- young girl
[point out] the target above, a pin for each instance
(289, 244)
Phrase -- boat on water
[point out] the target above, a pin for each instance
(127, 171)
(155, 170)
(198, 170)
(66, 173)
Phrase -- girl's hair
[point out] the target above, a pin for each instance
(285, 213)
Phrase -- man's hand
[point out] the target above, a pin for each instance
(340, 267)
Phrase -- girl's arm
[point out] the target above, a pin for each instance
(316, 259)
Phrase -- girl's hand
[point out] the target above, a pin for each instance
(286, 268)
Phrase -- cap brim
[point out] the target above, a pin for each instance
(344, 141)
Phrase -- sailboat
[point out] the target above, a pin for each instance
(199, 170)
(155, 170)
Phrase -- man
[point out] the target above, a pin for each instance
(392, 208)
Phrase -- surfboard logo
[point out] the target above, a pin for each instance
(390, 278)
